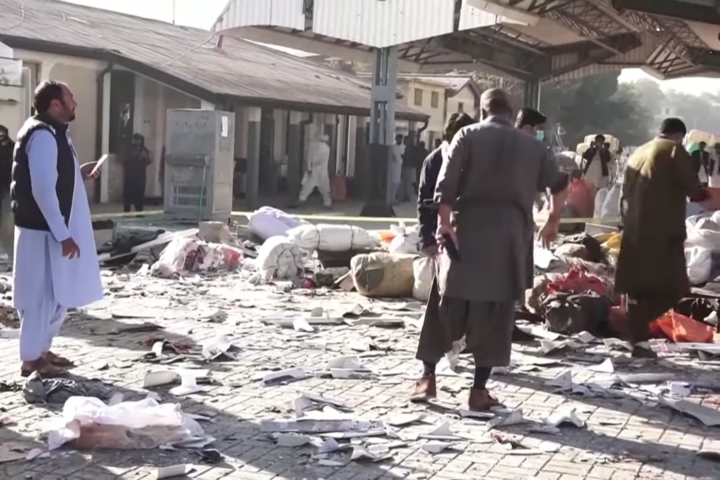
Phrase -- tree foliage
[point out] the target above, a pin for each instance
(597, 104)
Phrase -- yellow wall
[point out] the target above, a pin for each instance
(438, 114)
(81, 76)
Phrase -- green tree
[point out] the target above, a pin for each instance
(597, 104)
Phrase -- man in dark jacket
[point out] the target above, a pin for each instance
(596, 163)
(427, 211)
(7, 226)
(701, 160)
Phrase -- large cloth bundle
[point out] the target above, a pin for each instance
(332, 238)
(279, 258)
(269, 222)
(699, 264)
(424, 273)
(381, 274)
(704, 231)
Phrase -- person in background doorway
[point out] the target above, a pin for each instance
(489, 178)
(135, 174)
(420, 156)
(317, 174)
(702, 163)
(395, 168)
(651, 268)
(408, 174)
(596, 163)
(7, 225)
(438, 142)
(56, 264)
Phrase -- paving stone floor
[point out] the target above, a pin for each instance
(628, 435)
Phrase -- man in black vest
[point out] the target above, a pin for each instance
(52, 226)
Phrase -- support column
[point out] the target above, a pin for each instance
(331, 132)
(531, 94)
(252, 178)
(382, 133)
(104, 174)
(160, 129)
(294, 149)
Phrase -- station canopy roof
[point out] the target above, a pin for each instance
(523, 39)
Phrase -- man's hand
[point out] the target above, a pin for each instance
(444, 230)
(70, 249)
(91, 170)
(549, 231)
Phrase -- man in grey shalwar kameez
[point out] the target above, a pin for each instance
(489, 179)
(56, 265)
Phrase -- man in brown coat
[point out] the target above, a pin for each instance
(651, 268)
(489, 179)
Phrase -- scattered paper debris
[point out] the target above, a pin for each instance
(173, 471)
(564, 418)
(434, 447)
(289, 375)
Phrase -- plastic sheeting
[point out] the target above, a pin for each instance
(424, 273)
(279, 258)
(332, 238)
(90, 424)
(267, 222)
(406, 240)
(193, 255)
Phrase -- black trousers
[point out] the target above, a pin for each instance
(134, 191)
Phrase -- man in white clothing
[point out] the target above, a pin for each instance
(56, 265)
(317, 174)
(395, 169)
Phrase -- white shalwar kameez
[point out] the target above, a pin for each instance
(318, 175)
(46, 284)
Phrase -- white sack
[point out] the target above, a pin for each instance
(127, 425)
(279, 258)
(699, 264)
(703, 231)
(267, 222)
(332, 238)
(405, 242)
(611, 204)
(599, 202)
(424, 272)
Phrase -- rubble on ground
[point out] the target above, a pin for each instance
(325, 367)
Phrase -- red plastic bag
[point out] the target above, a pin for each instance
(581, 197)
(578, 281)
(679, 329)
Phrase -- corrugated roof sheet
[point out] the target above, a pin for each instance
(254, 74)
(449, 82)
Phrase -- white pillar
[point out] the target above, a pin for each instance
(160, 129)
(205, 105)
(352, 145)
(139, 107)
(105, 176)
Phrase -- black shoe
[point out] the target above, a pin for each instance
(640, 352)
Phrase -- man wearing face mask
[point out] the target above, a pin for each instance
(531, 122)
(7, 227)
(596, 163)
(651, 269)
